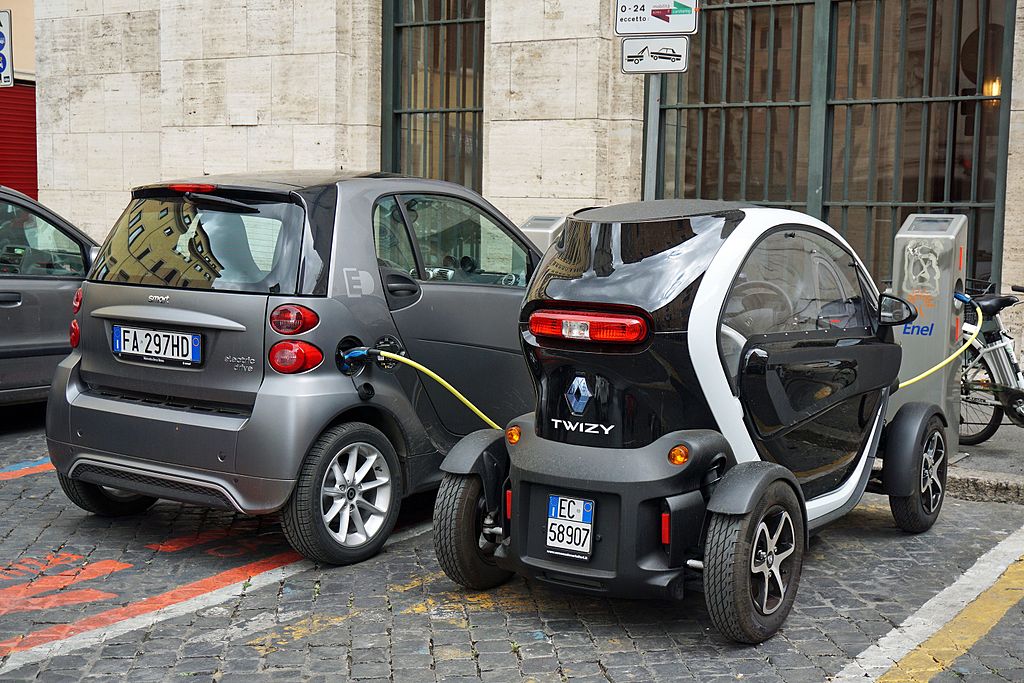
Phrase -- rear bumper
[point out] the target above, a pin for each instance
(248, 495)
(631, 489)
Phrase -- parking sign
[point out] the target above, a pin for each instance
(6, 57)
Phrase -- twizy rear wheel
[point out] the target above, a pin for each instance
(918, 511)
(465, 553)
(752, 566)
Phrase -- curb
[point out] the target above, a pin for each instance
(991, 487)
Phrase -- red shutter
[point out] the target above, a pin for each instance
(18, 139)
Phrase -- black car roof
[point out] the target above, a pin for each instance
(273, 181)
(656, 210)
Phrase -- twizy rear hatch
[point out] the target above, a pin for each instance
(604, 322)
(175, 307)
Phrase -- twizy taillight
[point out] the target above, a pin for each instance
(289, 357)
(293, 319)
(612, 328)
(76, 302)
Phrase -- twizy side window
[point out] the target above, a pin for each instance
(793, 281)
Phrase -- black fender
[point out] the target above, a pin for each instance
(484, 454)
(901, 440)
(743, 485)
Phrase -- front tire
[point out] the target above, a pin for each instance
(103, 501)
(458, 523)
(752, 566)
(918, 511)
(347, 496)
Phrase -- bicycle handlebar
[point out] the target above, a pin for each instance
(1018, 288)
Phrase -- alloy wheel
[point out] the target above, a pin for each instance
(933, 463)
(355, 494)
(774, 544)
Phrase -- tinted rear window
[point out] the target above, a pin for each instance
(178, 243)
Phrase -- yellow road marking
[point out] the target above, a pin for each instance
(303, 628)
(964, 630)
(415, 583)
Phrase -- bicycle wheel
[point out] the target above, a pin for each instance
(980, 414)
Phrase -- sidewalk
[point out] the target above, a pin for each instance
(992, 471)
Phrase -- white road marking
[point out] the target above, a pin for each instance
(261, 622)
(97, 636)
(934, 614)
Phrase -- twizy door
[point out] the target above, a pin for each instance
(799, 342)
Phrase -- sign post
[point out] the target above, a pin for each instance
(6, 54)
(657, 44)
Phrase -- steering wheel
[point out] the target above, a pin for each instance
(770, 295)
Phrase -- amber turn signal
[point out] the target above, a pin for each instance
(679, 455)
(512, 435)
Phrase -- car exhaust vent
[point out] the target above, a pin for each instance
(175, 404)
(153, 485)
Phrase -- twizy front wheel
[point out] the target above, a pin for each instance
(465, 553)
(752, 566)
(918, 511)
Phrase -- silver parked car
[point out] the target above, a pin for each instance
(43, 259)
(209, 369)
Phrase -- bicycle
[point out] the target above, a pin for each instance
(991, 383)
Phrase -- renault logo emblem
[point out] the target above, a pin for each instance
(578, 395)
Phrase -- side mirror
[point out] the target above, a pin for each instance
(893, 311)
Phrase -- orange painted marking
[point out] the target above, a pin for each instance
(147, 605)
(35, 469)
(184, 542)
(22, 597)
(29, 566)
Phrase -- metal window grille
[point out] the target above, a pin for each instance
(433, 89)
(859, 112)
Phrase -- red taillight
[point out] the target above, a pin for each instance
(191, 187)
(74, 334)
(612, 328)
(508, 503)
(289, 357)
(76, 303)
(293, 319)
(666, 535)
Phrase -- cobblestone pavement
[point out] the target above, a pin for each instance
(397, 617)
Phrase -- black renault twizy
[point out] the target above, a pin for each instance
(712, 383)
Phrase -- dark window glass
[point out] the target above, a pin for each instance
(436, 86)
(460, 243)
(32, 246)
(159, 239)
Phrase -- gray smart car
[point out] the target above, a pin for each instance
(208, 365)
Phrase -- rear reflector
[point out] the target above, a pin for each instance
(289, 357)
(613, 328)
(666, 536)
(508, 503)
(74, 334)
(191, 187)
(293, 319)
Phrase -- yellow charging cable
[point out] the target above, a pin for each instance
(440, 380)
(949, 359)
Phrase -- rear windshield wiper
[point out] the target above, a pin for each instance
(219, 202)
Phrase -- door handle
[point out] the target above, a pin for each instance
(10, 299)
(400, 285)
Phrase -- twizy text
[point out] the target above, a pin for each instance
(585, 427)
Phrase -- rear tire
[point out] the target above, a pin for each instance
(458, 518)
(977, 423)
(351, 473)
(102, 501)
(918, 511)
(752, 566)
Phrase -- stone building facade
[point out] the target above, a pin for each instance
(137, 91)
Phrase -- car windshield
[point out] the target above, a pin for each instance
(204, 242)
